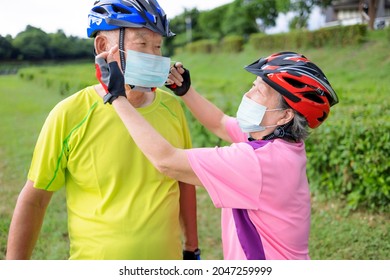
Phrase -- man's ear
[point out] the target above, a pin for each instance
(101, 44)
(287, 117)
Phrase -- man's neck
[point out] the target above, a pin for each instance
(140, 99)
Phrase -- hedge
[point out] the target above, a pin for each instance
(348, 159)
(330, 36)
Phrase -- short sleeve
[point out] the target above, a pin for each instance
(48, 165)
(234, 131)
(231, 175)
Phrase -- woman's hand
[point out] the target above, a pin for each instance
(110, 75)
(179, 80)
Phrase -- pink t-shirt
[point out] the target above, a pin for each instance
(263, 192)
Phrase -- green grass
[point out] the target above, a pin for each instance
(357, 72)
(337, 234)
(23, 110)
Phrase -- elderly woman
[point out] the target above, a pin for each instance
(260, 180)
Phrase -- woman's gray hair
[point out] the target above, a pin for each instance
(299, 128)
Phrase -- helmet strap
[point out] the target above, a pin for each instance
(123, 60)
(122, 47)
(283, 132)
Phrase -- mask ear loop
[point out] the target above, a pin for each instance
(121, 47)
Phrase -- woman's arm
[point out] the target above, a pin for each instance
(169, 160)
(209, 115)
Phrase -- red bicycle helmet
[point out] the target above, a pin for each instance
(302, 84)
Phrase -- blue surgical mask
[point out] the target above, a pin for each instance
(146, 70)
(250, 114)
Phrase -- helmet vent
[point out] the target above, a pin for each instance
(100, 10)
(313, 96)
(324, 116)
(295, 83)
(120, 10)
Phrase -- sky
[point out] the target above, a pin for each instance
(72, 15)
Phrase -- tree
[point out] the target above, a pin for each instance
(372, 7)
(238, 20)
(239, 17)
(59, 45)
(32, 43)
(6, 48)
(80, 48)
(368, 10)
(180, 26)
(302, 8)
(264, 10)
(211, 22)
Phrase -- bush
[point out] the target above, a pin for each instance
(340, 35)
(331, 36)
(233, 43)
(348, 157)
(202, 46)
(263, 41)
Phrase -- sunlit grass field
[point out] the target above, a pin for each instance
(336, 233)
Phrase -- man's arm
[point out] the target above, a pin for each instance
(27, 221)
(188, 217)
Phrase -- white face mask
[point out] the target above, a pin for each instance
(250, 114)
(146, 70)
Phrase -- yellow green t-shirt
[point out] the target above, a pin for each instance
(119, 206)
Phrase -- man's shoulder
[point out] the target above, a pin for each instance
(77, 102)
(165, 95)
(85, 95)
(169, 100)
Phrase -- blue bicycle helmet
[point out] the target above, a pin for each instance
(116, 14)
